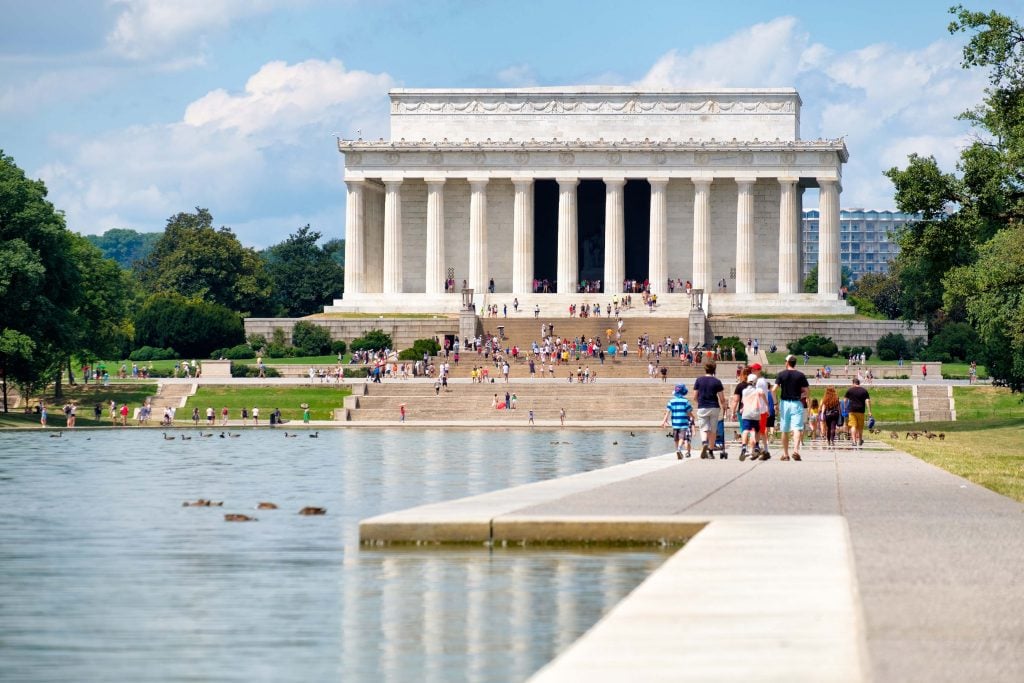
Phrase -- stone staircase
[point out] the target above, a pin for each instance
(172, 395)
(641, 403)
(934, 403)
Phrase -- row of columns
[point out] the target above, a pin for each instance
(614, 253)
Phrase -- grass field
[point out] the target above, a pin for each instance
(984, 402)
(87, 396)
(322, 401)
(987, 452)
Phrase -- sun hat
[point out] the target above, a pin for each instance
(681, 390)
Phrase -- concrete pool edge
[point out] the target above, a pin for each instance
(770, 597)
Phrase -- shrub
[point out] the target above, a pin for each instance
(814, 345)
(892, 346)
(419, 347)
(956, 341)
(734, 343)
(150, 353)
(339, 346)
(311, 339)
(240, 352)
(256, 341)
(238, 370)
(374, 340)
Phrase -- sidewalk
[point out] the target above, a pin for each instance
(935, 582)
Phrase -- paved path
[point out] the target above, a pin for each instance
(936, 560)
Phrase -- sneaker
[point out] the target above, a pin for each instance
(757, 449)
(688, 454)
(743, 454)
(796, 456)
(704, 452)
(765, 456)
(679, 455)
(721, 456)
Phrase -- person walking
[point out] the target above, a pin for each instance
(42, 414)
(531, 416)
(255, 416)
(710, 396)
(860, 403)
(793, 390)
(679, 411)
(561, 415)
(401, 412)
(830, 414)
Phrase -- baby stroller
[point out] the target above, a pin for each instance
(720, 439)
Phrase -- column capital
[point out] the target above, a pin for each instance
(745, 180)
(822, 182)
(659, 181)
(614, 182)
(702, 181)
(522, 183)
(435, 180)
(787, 180)
(355, 183)
(567, 182)
(478, 183)
(392, 183)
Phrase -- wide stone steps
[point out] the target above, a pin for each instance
(933, 403)
(172, 395)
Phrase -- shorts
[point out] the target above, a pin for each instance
(791, 416)
(681, 434)
(770, 423)
(857, 421)
(707, 419)
(763, 423)
(750, 425)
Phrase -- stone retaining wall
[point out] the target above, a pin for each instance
(404, 331)
(842, 332)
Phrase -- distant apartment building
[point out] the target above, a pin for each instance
(867, 239)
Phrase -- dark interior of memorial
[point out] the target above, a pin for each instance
(590, 206)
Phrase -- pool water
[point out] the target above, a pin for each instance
(106, 576)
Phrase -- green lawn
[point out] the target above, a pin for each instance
(987, 452)
(87, 396)
(888, 404)
(986, 402)
(322, 401)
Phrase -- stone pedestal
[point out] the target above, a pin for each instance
(698, 328)
(216, 369)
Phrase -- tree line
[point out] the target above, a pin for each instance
(65, 296)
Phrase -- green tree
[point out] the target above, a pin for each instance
(104, 328)
(883, 291)
(311, 339)
(304, 275)
(125, 246)
(191, 326)
(335, 248)
(195, 260)
(811, 281)
(39, 281)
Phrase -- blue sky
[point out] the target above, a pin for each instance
(133, 110)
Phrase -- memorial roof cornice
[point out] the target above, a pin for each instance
(381, 145)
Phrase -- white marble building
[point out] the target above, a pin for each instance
(589, 184)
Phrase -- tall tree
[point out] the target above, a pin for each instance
(39, 280)
(195, 260)
(305, 276)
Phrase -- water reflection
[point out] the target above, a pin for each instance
(106, 577)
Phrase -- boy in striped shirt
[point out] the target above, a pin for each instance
(679, 411)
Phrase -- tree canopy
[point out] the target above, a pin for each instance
(125, 246)
(304, 276)
(193, 259)
(962, 261)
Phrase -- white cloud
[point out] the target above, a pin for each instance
(149, 28)
(879, 97)
(282, 97)
(517, 76)
(237, 155)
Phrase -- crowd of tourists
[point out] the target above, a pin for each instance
(763, 410)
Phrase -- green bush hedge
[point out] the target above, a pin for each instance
(374, 340)
(238, 370)
(419, 347)
(311, 339)
(151, 353)
(848, 351)
(733, 343)
(814, 345)
(339, 346)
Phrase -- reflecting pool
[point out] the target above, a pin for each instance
(106, 576)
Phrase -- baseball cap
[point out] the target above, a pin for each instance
(756, 367)
(681, 390)
(790, 358)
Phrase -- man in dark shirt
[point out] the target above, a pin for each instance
(860, 402)
(793, 389)
(710, 404)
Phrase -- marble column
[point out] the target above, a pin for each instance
(702, 234)
(828, 238)
(478, 235)
(568, 258)
(355, 232)
(657, 261)
(522, 236)
(745, 242)
(393, 236)
(614, 235)
(789, 237)
(435, 236)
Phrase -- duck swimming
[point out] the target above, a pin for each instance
(315, 435)
(309, 511)
(235, 517)
(290, 436)
(202, 503)
(266, 506)
(168, 438)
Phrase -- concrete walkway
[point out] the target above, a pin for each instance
(931, 591)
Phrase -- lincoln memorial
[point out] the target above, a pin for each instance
(554, 196)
